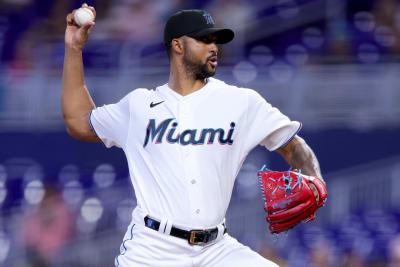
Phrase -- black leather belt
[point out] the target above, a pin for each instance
(194, 237)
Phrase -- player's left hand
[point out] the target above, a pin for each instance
(290, 198)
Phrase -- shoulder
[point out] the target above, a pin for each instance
(221, 85)
(138, 94)
(234, 90)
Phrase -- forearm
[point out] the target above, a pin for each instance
(300, 156)
(75, 97)
(76, 101)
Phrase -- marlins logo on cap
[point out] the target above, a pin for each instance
(208, 18)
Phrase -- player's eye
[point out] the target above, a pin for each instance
(203, 39)
(208, 39)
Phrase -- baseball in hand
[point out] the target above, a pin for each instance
(83, 15)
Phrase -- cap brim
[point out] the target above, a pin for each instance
(223, 35)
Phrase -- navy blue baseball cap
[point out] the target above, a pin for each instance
(194, 23)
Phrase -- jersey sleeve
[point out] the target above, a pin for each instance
(111, 122)
(266, 125)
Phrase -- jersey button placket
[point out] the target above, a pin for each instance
(184, 114)
(189, 161)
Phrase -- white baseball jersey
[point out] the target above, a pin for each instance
(184, 152)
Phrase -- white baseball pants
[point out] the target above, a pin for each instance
(143, 246)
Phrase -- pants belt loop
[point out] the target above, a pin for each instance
(221, 229)
(168, 228)
(163, 225)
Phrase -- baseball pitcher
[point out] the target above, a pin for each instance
(185, 142)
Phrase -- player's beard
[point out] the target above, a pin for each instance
(196, 69)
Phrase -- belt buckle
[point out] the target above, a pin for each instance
(192, 237)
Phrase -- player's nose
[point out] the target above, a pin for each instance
(213, 47)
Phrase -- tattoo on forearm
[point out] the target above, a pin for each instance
(303, 158)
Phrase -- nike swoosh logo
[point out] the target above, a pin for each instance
(152, 105)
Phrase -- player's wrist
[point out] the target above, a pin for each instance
(71, 49)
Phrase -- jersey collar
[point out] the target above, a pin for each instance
(169, 91)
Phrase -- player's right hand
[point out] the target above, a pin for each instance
(75, 36)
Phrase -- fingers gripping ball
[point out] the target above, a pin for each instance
(289, 199)
(83, 15)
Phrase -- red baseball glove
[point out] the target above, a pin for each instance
(289, 198)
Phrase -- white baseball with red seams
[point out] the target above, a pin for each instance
(83, 15)
(184, 153)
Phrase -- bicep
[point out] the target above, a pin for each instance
(80, 128)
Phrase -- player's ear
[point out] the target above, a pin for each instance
(177, 45)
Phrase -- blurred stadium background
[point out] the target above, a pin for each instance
(331, 64)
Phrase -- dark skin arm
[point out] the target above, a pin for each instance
(300, 156)
(76, 101)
